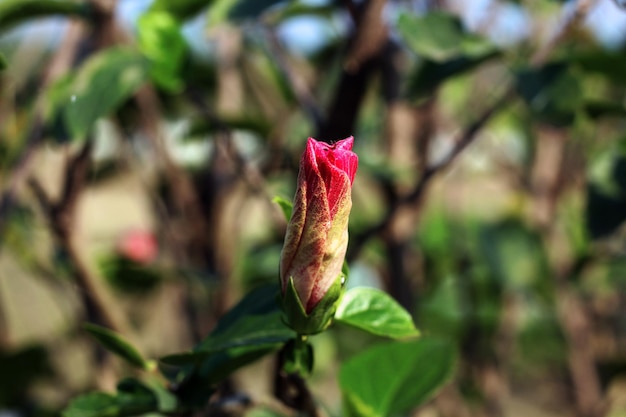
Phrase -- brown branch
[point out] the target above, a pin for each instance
(60, 214)
(569, 22)
(292, 390)
(297, 84)
(363, 60)
(59, 64)
(466, 138)
(469, 134)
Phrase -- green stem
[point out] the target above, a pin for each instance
(14, 12)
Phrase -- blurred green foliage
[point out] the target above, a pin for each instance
(486, 274)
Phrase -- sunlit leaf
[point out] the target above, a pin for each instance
(376, 312)
(133, 397)
(391, 379)
(223, 10)
(162, 42)
(102, 84)
(115, 343)
(440, 37)
(14, 12)
(249, 331)
(285, 205)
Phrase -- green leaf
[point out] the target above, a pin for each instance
(375, 312)
(606, 196)
(431, 74)
(181, 9)
(95, 404)
(285, 205)
(100, 86)
(134, 397)
(246, 9)
(254, 324)
(162, 42)
(116, 344)
(207, 365)
(597, 109)
(3, 62)
(553, 93)
(234, 10)
(392, 379)
(611, 65)
(203, 126)
(439, 37)
(14, 12)
(255, 332)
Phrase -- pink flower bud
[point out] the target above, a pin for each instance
(139, 246)
(317, 234)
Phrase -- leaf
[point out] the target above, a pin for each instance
(553, 93)
(21, 369)
(253, 324)
(439, 37)
(223, 351)
(611, 65)
(254, 332)
(103, 83)
(446, 49)
(203, 126)
(392, 379)
(116, 344)
(95, 404)
(3, 62)
(162, 42)
(285, 205)
(606, 198)
(134, 397)
(235, 10)
(597, 109)
(181, 9)
(246, 9)
(430, 74)
(14, 12)
(375, 312)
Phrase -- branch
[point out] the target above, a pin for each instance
(297, 84)
(466, 138)
(469, 135)
(61, 218)
(570, 21)
(292, 390)
(59, 65)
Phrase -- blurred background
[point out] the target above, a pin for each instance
(142, 143)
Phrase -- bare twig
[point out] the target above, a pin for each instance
(572, 19)
(59, 64)
(61, 216)
(369, 38)
(469, 134)
(298, 85)
(467, 137)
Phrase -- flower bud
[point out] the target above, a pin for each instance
(317, 234)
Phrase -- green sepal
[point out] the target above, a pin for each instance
(320, 317)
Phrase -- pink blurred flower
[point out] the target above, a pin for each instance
(138, 245)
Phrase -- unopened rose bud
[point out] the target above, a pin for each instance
(317, 234)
